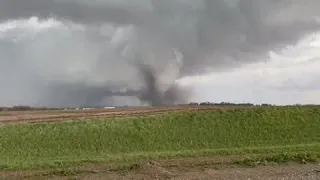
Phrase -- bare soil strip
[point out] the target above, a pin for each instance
(220, 168)
(54, 115)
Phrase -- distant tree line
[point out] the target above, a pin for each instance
(242, 104)
(25, 108)
(226, 104)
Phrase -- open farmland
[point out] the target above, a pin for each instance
(167, 143)
(36, 116)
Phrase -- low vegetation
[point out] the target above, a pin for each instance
(277, 131)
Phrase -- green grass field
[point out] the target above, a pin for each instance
(290, 131)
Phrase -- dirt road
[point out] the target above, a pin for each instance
(291, 172)
(153, 171)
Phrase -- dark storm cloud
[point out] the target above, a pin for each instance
(98, 44)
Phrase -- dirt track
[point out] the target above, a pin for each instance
(155, 172)
(179, 169)
(61, 115)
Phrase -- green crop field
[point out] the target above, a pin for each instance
(263, 130)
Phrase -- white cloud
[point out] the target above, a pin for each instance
(287, 78)
(32, 23)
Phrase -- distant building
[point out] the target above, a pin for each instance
(108, 107)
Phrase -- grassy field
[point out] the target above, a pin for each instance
(281, 132)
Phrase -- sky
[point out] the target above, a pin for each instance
(87, 53)
(289, 77)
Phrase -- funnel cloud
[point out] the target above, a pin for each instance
(95, 53)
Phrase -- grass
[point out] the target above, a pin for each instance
(278, 159)
(268, 130)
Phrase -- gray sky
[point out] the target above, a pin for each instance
(69, 52)
(291, 77)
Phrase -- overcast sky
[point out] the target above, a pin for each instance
(290, 77)
(77, 52)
